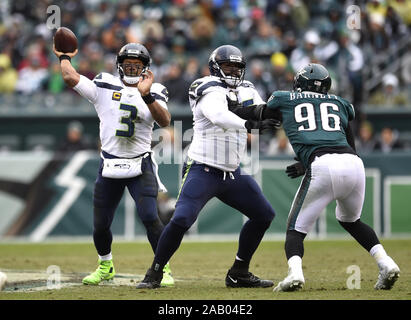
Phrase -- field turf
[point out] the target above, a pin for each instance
(199, 269)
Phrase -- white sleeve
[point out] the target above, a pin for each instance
(87, 89)
(214, 107)
(257, 98)
(160, 93)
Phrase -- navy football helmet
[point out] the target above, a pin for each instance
(234, 73)
(132, 50)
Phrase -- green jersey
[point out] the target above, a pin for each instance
(312, 120)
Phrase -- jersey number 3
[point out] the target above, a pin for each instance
(129, 121)
(305, 112)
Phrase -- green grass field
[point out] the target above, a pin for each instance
(199, 269)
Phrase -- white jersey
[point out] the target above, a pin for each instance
(220, 137)
(126, 123)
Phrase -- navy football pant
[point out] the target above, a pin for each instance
(107, 195)
(200, 184)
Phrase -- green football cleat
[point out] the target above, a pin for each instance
(168, 280)
(105, 271)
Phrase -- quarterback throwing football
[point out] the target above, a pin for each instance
(127, 106)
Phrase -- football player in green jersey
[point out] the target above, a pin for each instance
(317, 125)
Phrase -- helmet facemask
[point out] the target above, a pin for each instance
(231, 59)
(232, 73)
(131, 72)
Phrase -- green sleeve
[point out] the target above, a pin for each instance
(350, 109)
(277, 99)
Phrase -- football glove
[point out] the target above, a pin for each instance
(264, 126)
(295, 170)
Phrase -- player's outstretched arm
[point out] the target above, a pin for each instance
(70, 75)
(160, 114)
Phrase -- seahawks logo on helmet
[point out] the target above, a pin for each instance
(225, 54)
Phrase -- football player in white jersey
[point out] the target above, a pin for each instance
(127, 106)
(212, 168)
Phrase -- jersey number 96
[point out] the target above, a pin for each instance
(305, 112)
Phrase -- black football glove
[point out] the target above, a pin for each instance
(232, 104)
(262, 112)
(264, 126)
(295, 170)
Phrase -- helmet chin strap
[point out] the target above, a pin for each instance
(131, 80)
(233, 81)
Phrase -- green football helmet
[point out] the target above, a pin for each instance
(313, 77)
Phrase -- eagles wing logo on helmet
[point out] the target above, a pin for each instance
(313, 77)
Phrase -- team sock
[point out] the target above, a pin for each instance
(294, 244)
(361, 232)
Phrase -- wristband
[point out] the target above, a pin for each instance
(64, 57)
(148, 99)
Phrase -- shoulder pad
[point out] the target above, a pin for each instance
(247, 84)
(159, 92)
(106, 80)
(279, 94)
(104, 76)
(205, 85)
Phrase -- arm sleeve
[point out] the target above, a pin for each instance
(214, 107)
(87, 89)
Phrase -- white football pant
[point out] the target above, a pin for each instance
(339, 177)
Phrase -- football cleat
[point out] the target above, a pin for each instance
(152, 280)
(167, 280)
(245, 280)
(104, 272)
(3, 280)
(388, 275)
(293, 282)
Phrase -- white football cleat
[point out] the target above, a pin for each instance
(389, 273)
(3, 280)
(293, 282)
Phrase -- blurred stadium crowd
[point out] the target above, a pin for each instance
(369, 66)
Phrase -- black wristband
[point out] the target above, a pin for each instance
(64, 57)
(148, 99)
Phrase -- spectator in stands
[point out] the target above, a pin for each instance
(8, 75)
(303, 55)
(377, 35)
(390, 96)
(348, 62)
(388, 141)
(227, 31)
(265, 42)
(403, 9)
(279, 145)
(261, 78)
(55, 82)
(31, 78)
(394, 25)
(192, 70)
(281, 72)
(85, 69)
(74, 140)
(188, 29)
(299, 14)
(176, 85)
(365, 143)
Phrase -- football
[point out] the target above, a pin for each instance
(65, 40)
